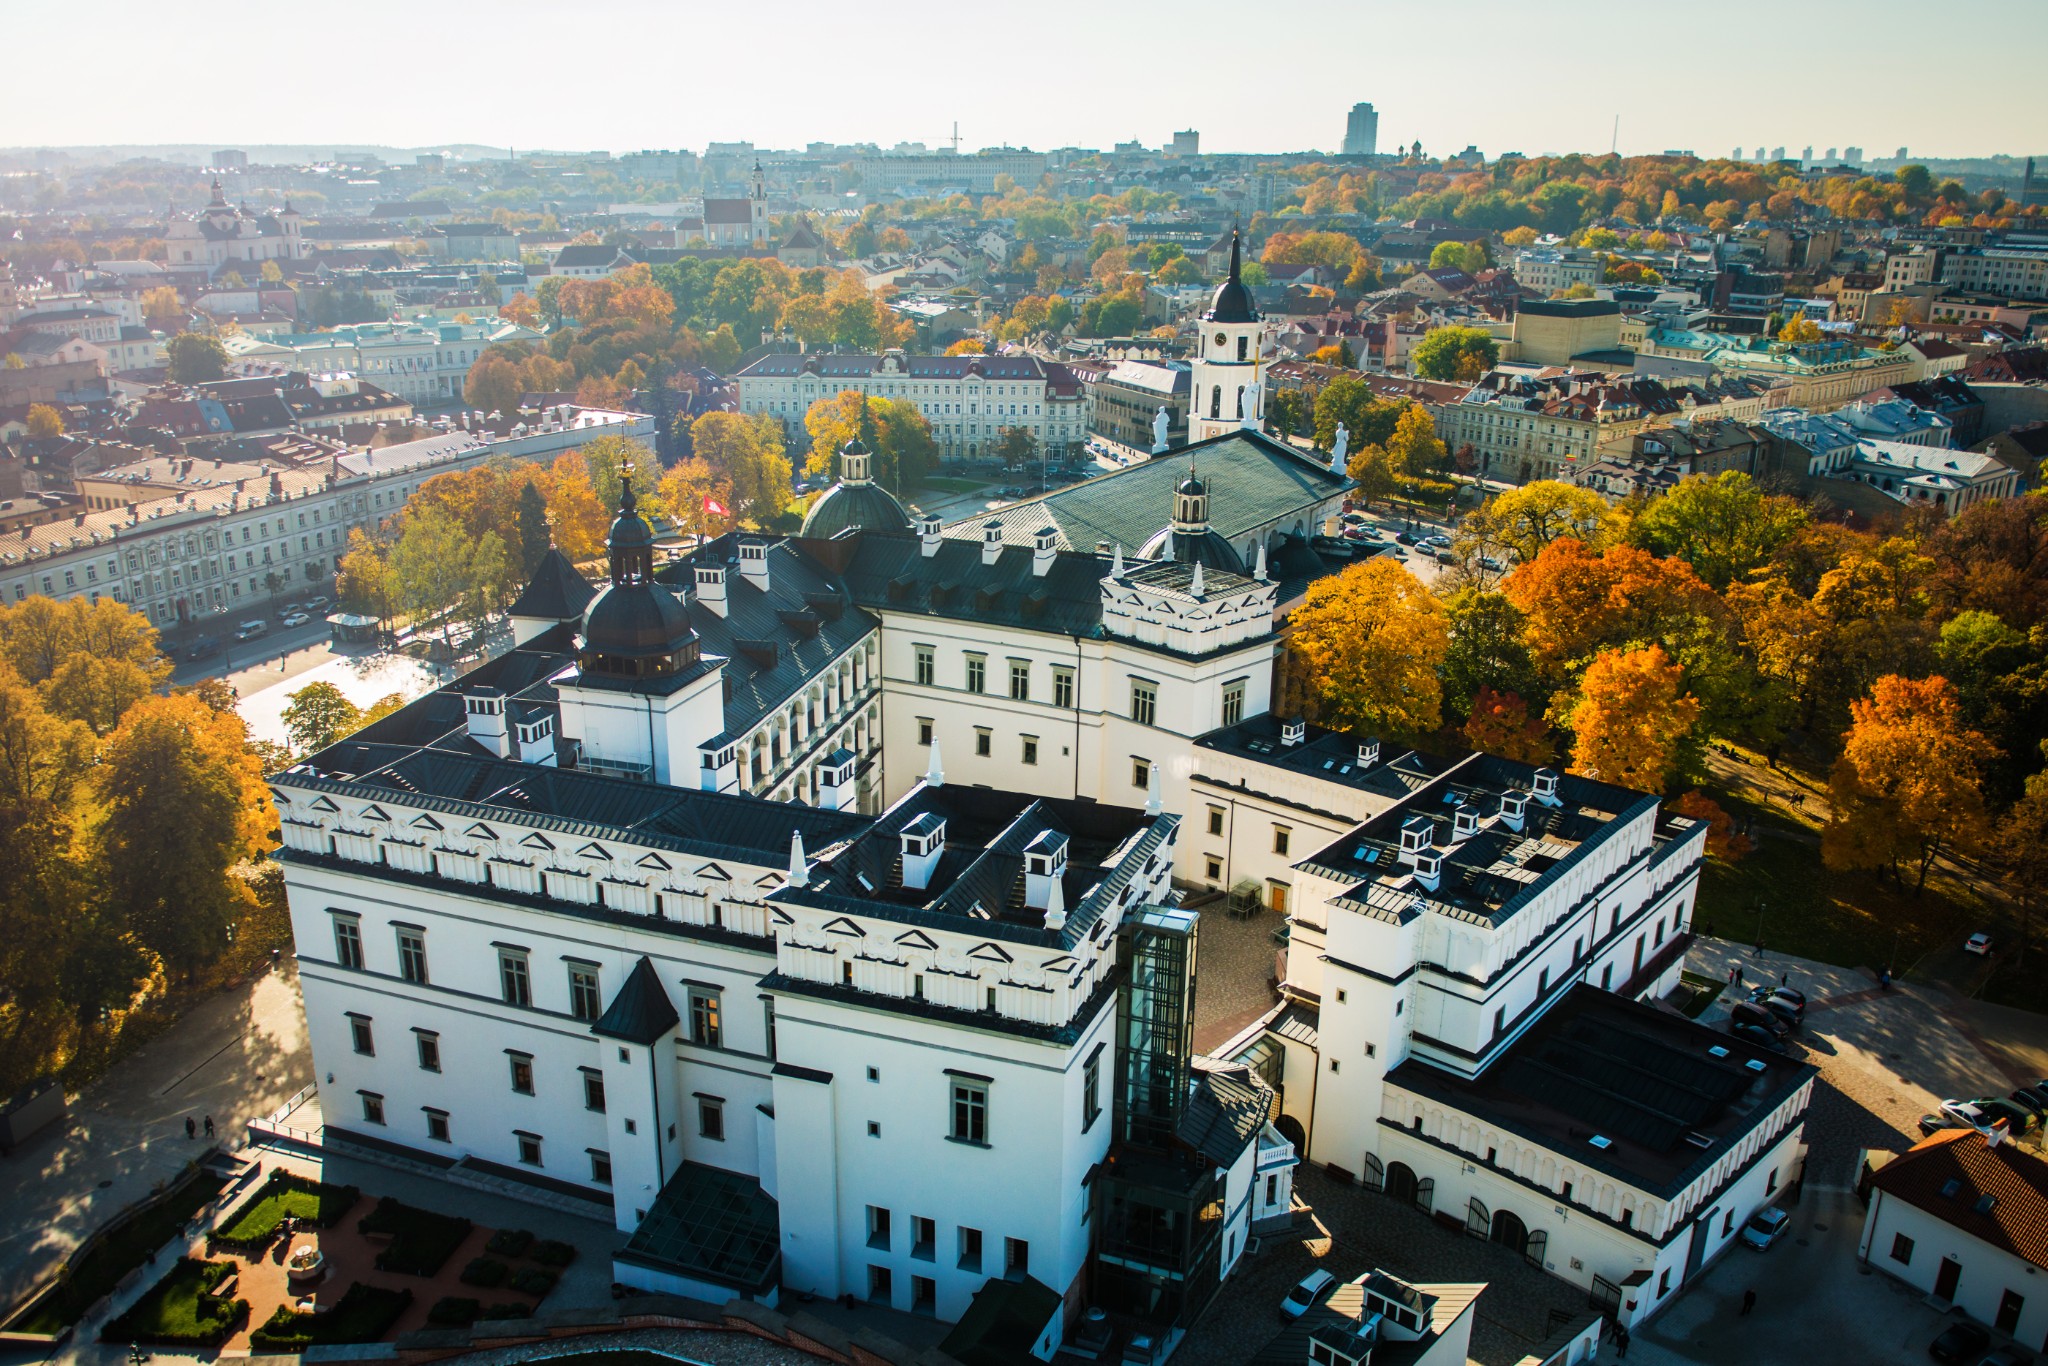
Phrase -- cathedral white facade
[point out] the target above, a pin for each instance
(222, 237)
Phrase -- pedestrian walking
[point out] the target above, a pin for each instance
(191, 1129)
(1621, 1347)
(1784, 979)
(1739, 978)
(1748, 1302)
(1731, 975)
(209, 1126)
(1759, 948)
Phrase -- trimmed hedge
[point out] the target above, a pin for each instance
(531, 1280)
(486, 1272)
(548, 1252)
(116, 1251)
(256, 1222)
(421, 1241)
(509, 1242)
(454, 1310)
(365, 1313)
(181, 1310)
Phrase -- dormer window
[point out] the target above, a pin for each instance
(1293, 733)
(1546, 782)
(1464, 822)
(1415, 834)
(1368, 752)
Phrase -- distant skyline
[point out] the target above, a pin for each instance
(620, 75)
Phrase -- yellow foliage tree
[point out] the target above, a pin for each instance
(1907, 785)
(1630, 718)
(1371, 640)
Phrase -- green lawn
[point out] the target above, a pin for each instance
(305, 1200)
(178, 1309)
(1700, 992)
(946, 485)
(120, 1252)
(364, 1313)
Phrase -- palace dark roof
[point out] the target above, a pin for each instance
(641, 1013)
(865, 505)
(557, 592)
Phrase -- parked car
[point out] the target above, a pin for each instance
(1959, 1342)
(2019, 1118)
(201, 648)
(249, 630)
(1765, 1227)
(1488, 562)
(1749, 1012)
(297, 619)
(1784, 1007)
(288, 609)
(319, 604)
(1979, 944)
(1756, 1034)
(2032, 1101)
(1304, 1296)
(1408, 538)
(1360, 533)
(1955, 1114)
(1443, 554)
(1441, 541)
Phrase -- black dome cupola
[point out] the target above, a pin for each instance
(631, 542)
(1233, 302)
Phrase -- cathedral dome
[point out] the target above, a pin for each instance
(635, 626)
(856, 500)
(1204, 547)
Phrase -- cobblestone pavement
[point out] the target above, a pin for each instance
(1355, 1232)
(1233, 972)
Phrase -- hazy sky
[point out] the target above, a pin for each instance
(624, 74)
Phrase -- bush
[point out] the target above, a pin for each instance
(484, 1271)
(549, 1252)
(364, 1314)
(508, 1311)
(181, 1310)
(509, 1242)
(420, 1239)
(256, 1221)
(454, 1310)
(531, 1280)
(116, 1252)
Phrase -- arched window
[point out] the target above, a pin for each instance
(1242, 344)
(1216, 401)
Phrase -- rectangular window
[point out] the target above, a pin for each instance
(522, 1072)
(583, 998)
(970, 1249)
(878, 1228)
(412, 954)
(593, 1089)
(1020, 680)
(437, 1125)
(924, 1295)
(711, 1119)
(1214, 872)
(529, 1147)
(1282, 837)
(600, 1167)
(924, 1235)
(924, 730)
(1215, 820)
(359, 1036)
(927, 666)
(348, 941)
(430, 1050)
(984, 742)
(704, 1018)
(1016, 1258)
(514, 986)
(1233, 702)
(1031, 749)
(970, 1111)
(1144, 701)
(373, 1107)
(1062, 686)
(881, 1289)
(1141, 773)
(1091, 1092)
(977, 673)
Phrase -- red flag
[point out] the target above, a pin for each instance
(716, 508)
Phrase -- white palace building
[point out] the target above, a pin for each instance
(812, 907)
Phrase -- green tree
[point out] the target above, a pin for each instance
(532, 528)
(195, 358)
(168, 876)
(317, 715)
(1287, 412)
(1454, 353)
(606, 457)
(1486, 651)
(1723, 526)
(430, 565)
(1369, 419)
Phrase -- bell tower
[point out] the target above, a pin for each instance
(757, 206)
(1226, 368)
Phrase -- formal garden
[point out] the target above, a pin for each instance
(301, 1263)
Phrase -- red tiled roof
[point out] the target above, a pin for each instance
(2015, 1180)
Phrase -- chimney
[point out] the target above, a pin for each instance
(536, 740)
(991, 541)
(754, 563)
(928, 534)
(1513, 805)
(711, 588)
(1417, 836)
(486, 715)
(1045, 863)
(1043, 549)
(1369, 751)
(1293, 733)
(836, 791)
(924, 842)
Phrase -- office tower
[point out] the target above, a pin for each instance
(1361, 131)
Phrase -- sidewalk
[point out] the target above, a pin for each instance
(235, 1056)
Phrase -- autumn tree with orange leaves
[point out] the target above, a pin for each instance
(1908, 784)
(1501, 724)
(1631, 716)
